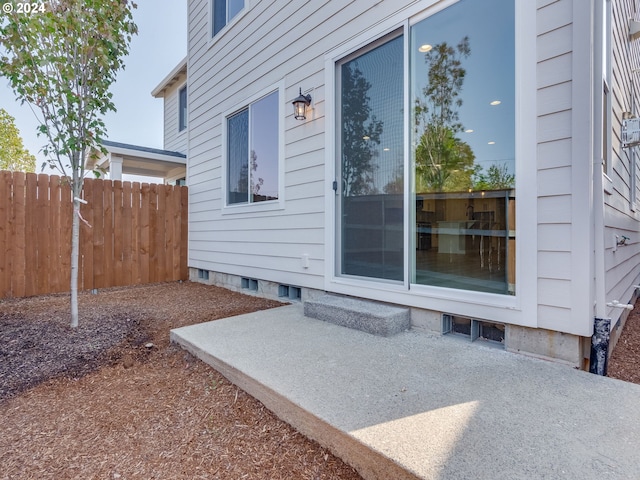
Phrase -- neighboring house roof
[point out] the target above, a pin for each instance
(117, 147)
(174, 76)
(138, 160)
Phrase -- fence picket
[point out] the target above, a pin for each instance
(6, 252)
(136, 196)
(42, 242)
(18, 234)
(108, 257)
(118, 240)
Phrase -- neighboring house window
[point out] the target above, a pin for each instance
(182, 109)
(253, 152)
(222, 12)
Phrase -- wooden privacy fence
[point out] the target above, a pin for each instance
(137, 234)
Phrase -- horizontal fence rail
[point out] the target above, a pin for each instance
(132, 234)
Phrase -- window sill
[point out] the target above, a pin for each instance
(245, 208)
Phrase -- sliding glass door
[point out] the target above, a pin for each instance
(459, 116)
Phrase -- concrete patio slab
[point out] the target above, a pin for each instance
(427, 407)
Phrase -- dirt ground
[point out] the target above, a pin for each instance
(624, 363)
(114, 400)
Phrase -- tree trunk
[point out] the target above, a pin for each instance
(75, 253)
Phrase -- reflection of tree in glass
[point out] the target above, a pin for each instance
(360, 131)
(255, 183)
(496, 178)
(397, 184)
(443, 161)
(243, 181)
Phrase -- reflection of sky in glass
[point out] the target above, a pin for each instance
(264, 142)
(234, 7)
(383, 69)
(489, 76)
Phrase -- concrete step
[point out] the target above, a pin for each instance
(372, 317)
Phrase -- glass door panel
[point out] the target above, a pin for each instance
(371, 148)
(462, 89)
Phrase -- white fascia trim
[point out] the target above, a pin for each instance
(145, 154)
(180, 69)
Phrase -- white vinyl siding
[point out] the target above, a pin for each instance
(557, 269)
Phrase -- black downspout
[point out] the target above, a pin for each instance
(600, 346)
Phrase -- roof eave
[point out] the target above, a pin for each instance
(180, 69)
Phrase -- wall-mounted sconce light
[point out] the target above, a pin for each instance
(300, 105)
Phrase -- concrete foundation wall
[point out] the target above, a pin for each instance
(263, 288)
(547, 344)
(559, 347)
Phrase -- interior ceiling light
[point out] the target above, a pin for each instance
(492, 143)
(366, 137)
(495, 102)
(425, 48)
(469, 130)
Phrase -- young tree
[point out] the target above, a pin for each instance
(13, 155)
(62, 59)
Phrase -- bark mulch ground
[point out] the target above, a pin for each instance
(624, 363)
(114, 400)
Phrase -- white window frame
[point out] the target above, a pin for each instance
(186, 115)
(519, 309)
(268, 205)
(213, 38)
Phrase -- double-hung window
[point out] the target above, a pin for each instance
(222, 12)
(252, 152)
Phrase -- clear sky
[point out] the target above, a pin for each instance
(160, 45)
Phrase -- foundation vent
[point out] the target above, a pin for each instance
(490, 332)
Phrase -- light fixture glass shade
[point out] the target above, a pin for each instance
(300, 105)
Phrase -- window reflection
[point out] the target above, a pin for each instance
(238, 154)
(463, 144)
(264, 149)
